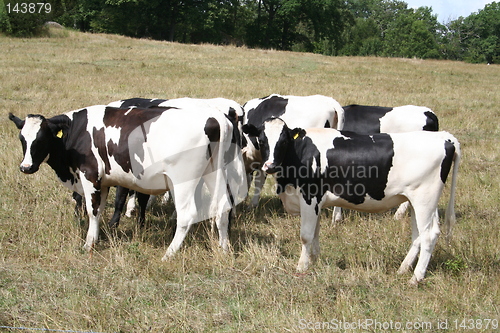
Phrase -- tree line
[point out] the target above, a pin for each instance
(387, 28)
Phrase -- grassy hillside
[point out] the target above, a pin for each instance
(47, 281)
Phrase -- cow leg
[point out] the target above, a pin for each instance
(401, 210)
(185, 205)
(428, 224)
(221, 205)
(96, 201)
(223, 228)
(337, 214)
(259, 181)
(309, 234)
(78, 204)
(142, 201)
(165, 198)
(415, 246)
(130, 204)
(120, 198)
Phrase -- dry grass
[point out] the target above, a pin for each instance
(46, 281)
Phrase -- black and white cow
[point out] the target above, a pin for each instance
(316, 168)
(303, 111)
(380, 119)
(148, 150)
(368, 119)
(233, 111)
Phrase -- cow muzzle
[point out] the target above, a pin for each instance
(28, 168)
(269, 167)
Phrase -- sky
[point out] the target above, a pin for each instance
(448, 10)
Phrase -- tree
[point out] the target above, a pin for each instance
(475, 38)
(23, 19)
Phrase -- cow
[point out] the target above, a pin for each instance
(316, 168)
(367, 119)
(379, 119)
(304, 111)
(96, 147)
(233, 111)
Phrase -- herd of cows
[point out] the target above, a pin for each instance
(367, 158)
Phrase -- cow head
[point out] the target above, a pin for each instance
(37, 137)
(274, 138)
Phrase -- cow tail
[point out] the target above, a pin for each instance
(450, 218)
(220, 194)
(339, 113)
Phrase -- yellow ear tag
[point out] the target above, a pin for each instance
(59, 134)
(296, 136)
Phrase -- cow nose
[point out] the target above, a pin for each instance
(26, 168)
(269, 167)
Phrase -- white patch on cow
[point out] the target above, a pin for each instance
(29, 132)
(115, 104)
(113, 134)
(273, 131)
(290, 198)
(414, 119)
(129, 110)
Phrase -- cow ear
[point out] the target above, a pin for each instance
(19, 123)
(58, 125)
(298, 133)
(251, 130)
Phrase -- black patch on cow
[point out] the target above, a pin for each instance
(236, 140)
(135, 120)
(449, 149)
(297, 169)
(363, 118)
(73, 152)
(142, 103)
(327, 124)
(272, 107)
(212, 131)
(359, 165)
(431, 122)
(255, 142)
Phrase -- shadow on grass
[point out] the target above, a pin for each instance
(160, 226)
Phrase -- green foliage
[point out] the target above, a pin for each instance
(331, 27)
(22, 19)
(4, 18)
(455, 265)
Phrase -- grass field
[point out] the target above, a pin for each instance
(47, 281)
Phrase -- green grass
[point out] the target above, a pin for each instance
(47, 281)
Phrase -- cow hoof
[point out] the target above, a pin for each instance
(88, 247)
(403, 270)
(414, 281)
(168, 256)
(399, 216)
(302, 267)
